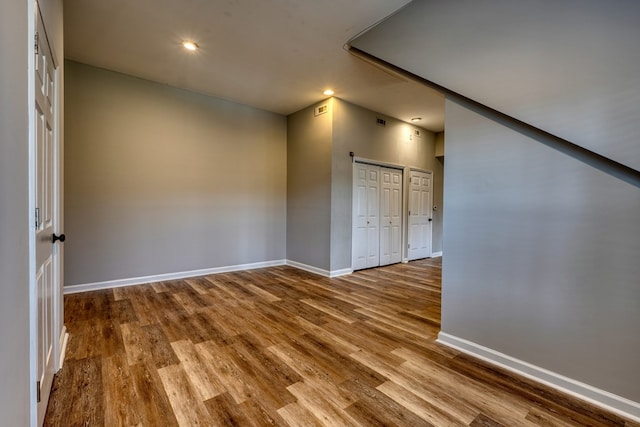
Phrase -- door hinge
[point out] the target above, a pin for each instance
(38, 390)
(37, 218)
(409, 246)
(36, 37)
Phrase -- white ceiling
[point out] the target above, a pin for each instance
(278, 55)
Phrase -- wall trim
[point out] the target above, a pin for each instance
(72, 289)
(436, 254)
(320, 271)
(604, 399)
(371, 162)
(342, 272)
(412, 169)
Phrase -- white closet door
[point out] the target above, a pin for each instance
(390, 216)
(360, 228)
(366, 216)
(373, 216)
(420, 211)
(377, 216)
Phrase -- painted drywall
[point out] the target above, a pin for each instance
(440, 144)
(571, 68)
(309, 142)
(542, 255)
(319, 179)
(355, 130)
(14, 213)
(161, 180)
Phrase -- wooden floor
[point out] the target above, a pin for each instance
(280, 346)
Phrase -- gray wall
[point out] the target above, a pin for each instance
(162, 180)
(14, 214)
(438, 194)
(541, 247)
(542, 255)
(575, 62)
(355, 129)
(309, 141)
(319, 180)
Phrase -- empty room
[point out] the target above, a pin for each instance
(285, 212)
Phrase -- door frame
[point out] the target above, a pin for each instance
(404, 169)
(58, 333)
(411, 169)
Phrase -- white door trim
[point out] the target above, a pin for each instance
(33, 298)
(378, 163)
(421, 170)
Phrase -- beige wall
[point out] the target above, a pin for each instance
(309, 142)
(355, 129)
(161, 180)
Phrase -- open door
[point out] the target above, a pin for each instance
(46, 288)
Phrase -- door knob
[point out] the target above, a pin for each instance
(55, 238)
(430, 219)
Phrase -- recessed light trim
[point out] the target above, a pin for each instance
(416, 119)
(189, 45)
(328, 92)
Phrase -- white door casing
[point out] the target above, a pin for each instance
(390, 216)
(45, 283)
(420, 214)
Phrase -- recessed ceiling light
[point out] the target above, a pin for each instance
(192, 46)
(328, 92)
(416, 119)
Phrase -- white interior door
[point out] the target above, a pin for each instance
(420, 215)
(360, 228)
(373, 216)
(366, 216)
(46, 192)
(377, 216)
(390, 216)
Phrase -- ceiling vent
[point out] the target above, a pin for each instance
(381, 122)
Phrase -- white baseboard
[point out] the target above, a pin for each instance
(72, 289)
(343, 272)
(64, 340)
(604, 399)
(320, 271)
(436, 254)
(405, 260)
